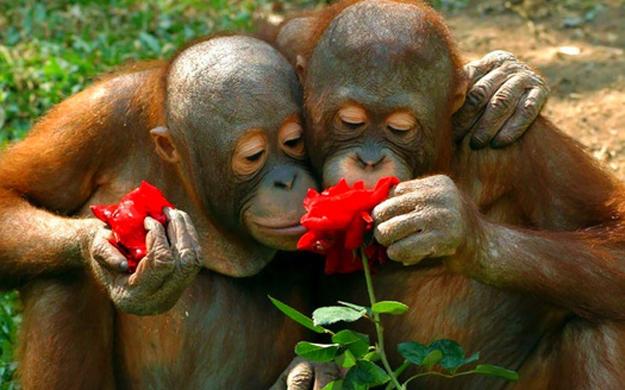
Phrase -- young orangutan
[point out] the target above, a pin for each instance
(231, 155)
(520, 251)
(101, 149)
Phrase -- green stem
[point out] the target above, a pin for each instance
(398, 371)
(379, 330)
(436, 373)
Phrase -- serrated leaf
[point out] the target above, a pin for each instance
(432, 358)
(413, 352)
(346, 359)
(296, 316)
(389, 307)
(316, 352)
(334, 385)
(453, 354)
(366, 373)
(357, 343)
(331, 314)
(496, 371)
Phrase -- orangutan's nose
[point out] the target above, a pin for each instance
(369, 159)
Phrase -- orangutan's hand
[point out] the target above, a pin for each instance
(424, 218)
(305, 375)
(504, 98)
(173, 259)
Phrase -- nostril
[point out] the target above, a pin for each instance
(286, 184)
(280, 184)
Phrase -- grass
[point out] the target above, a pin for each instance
(50, 50)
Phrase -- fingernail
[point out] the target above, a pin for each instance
(123, 266)
(476, 144)
(497, 144)
(148, 223)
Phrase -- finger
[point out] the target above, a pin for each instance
(475, 70)
(398, 228)
(398, 205)
(106, 254)
(156, 241)
(194, 238)
(179, 237)
(300, 377)
(420, 184)
(184, 239)
(415, 248)
(526, 113)
(158, 263)
(477, 98)
(498, 111)
(324, 374)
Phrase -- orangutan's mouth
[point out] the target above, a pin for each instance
(292, 229)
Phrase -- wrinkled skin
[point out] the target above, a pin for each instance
(504, 98)
(424, 218)
(509, 253)
(225, 147)
(305, 375)
(173, 260)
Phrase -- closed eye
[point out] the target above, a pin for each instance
(352, 125)
(398, 129)
(291, 143)
(401, 122)
(255, 157)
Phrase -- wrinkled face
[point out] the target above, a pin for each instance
(234, 105)
(377, 90)
(268, 167)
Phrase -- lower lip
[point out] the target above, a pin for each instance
(295, 230)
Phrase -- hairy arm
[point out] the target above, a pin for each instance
(571, 248)
(48, 177)
(549, 224)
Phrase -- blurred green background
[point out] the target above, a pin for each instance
(50, 50)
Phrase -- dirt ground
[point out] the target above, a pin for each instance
(584, 67)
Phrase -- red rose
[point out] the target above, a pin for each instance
(126, 220)
(337, 220)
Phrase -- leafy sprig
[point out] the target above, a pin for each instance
(366, 363)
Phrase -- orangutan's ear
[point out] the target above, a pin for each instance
(164, 144)
(300, 68)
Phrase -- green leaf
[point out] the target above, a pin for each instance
(355, 306)
(453, 354)
(413, 352)
(334, 385)
(366, 373)
(389, 307)
(332, 314)
(496, 371)
(357, 343)
(432, 358)
(316, 352)
(372, 356)
(296, 316)
(346, 359)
